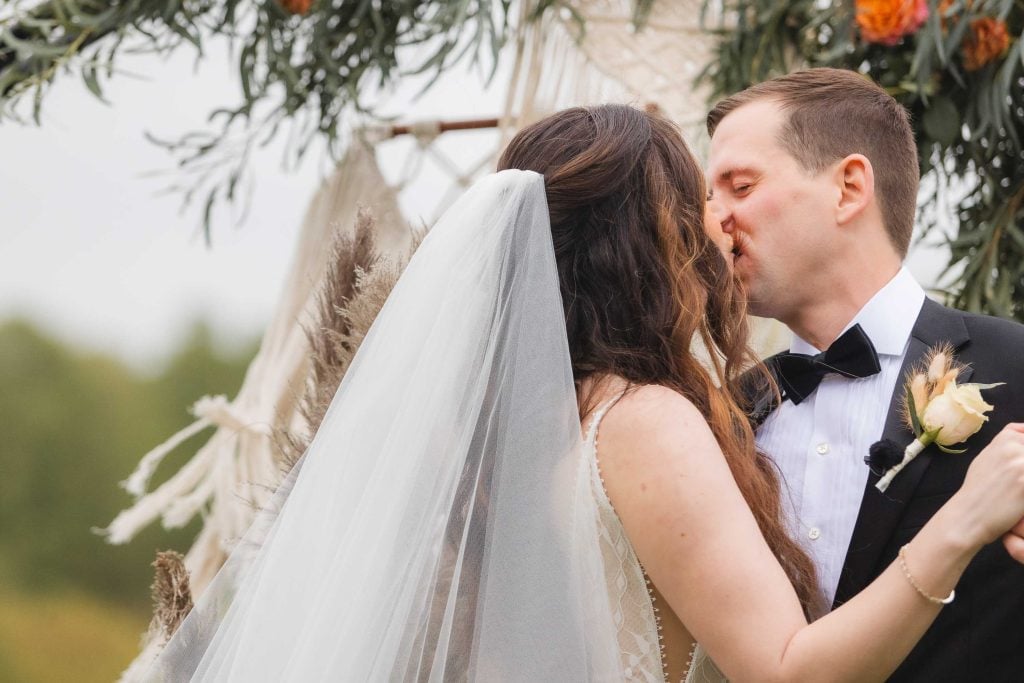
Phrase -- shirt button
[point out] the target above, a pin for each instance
(814, 534)
(822, 449)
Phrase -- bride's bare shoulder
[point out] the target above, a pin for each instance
(655, 448)
(652, 418)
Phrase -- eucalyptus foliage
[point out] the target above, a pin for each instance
(969, 123)
(302, 63)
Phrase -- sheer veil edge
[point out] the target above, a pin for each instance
(441, 525)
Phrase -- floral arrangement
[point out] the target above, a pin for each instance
(958, 66)
(937, 409)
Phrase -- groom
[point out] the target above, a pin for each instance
(815, 175)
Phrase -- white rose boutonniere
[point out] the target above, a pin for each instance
(939, 410)
(958, 413)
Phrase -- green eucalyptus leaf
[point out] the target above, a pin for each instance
(942, 121)
(9, 78)
(28, 49)
(967, 238)
(1016, 235)
(92, 83)
(211, 200)
(955, 37)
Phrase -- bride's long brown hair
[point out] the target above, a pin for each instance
(641, 280)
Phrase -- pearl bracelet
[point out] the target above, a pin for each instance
(910, 578)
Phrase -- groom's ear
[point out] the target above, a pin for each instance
(855, 180)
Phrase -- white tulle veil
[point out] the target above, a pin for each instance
(441, 526)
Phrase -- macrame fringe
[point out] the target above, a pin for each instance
(236, 471)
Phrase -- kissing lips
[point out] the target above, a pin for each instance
(739, 245)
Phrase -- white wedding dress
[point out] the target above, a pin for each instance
(636, 619)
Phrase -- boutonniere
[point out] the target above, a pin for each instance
(937, 409)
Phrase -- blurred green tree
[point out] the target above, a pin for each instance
(74, 424)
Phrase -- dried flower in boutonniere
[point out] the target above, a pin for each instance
(937, 409)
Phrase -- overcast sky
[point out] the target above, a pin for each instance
(92, 252)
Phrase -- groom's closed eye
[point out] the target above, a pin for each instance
(736, 180)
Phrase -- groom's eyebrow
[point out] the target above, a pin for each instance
(728, 174)
(741, 170)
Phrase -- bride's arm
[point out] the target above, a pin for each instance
(699, 542)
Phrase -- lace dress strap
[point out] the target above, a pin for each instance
(599, 413)
(632, 609)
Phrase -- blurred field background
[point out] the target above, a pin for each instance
(75, 422)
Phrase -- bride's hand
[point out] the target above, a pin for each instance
(991, 501)
(1014, 542)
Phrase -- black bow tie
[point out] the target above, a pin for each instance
(852, 355)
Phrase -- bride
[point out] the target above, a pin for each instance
(526, 474)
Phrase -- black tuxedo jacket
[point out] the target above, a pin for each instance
(980, 636)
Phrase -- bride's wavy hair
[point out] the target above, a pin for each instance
(641, 281)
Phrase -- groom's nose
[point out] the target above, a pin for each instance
(722, 213)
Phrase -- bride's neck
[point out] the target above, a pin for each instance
(595, 390)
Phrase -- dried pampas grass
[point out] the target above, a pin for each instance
(926, 380)
(355, 287)
(172, 597)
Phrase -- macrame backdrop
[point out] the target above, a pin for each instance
(555, 66)
(560, 63)
(656, 66)
(236, 470)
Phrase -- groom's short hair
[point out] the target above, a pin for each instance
(833, 113)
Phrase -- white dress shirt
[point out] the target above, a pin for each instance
(820, 444)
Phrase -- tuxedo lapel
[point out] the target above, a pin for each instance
(880, 512)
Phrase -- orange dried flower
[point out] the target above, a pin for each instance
(987, 41)
(887, 21)
(296, 6)
(943, 7)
